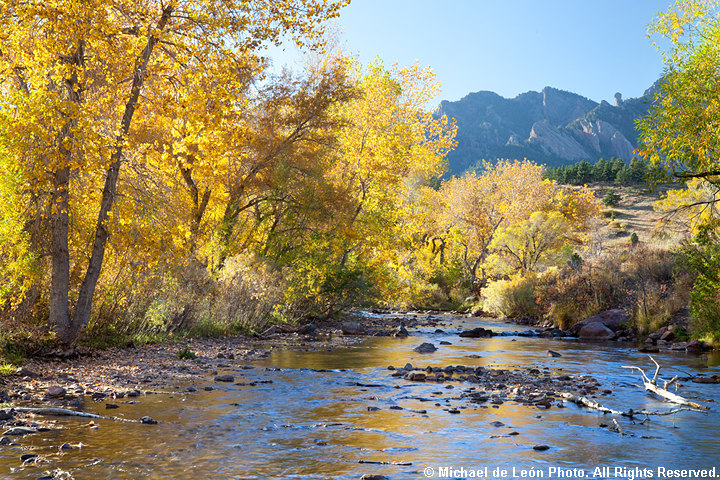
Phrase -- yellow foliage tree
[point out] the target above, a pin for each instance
(74, 80)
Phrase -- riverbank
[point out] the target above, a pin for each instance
(66, 378)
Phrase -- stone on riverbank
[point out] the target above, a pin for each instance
(55, 391)
(353, 328)
(614, 320)
(695, 347)
(307, 329)
(595, 331)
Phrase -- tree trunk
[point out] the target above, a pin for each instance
(60, 258)
(87, 289)
(59, 315)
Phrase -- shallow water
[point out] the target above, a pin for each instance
(316, 424)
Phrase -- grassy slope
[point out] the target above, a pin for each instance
(635, 214)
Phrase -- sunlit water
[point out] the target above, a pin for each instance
(316, 424)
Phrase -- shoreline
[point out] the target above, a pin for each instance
(65, 381)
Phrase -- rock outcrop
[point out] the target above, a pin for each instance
(552, 126)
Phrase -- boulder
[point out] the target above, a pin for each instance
(55, 391)
(24, 372)
(400, 331)
(308, 329)
(695, 347)
(416, 377)
(478, 332)
(224, 378)
(551, 353)
(668, 335)
(715, 379)
(353, 328)
(614, 320)
(425, 348)
(17, 431)
(595, 331)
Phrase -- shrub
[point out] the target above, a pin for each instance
(644, 281)
(634, 239)
(611, 214)
(186, 354)
(702, 257)
(611, 199)
(513, 298)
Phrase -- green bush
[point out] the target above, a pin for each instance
(702, 257)
(611, 199)
(186, 354)
(611, 214)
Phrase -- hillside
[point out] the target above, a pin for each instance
(553, 126)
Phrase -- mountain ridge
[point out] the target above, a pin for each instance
(552, 126)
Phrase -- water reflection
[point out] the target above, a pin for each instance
(319, 424)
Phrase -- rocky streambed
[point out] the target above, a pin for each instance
(328, 405)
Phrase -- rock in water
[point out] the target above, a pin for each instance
(353, 328)
(425, 348)
(477, 333)
(224, 378)
(400, 331)
(148, 421)
(20, 431)
(553, 354)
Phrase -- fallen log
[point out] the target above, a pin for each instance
(652, 386)
(70, 413)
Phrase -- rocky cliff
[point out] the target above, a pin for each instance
(553, 127)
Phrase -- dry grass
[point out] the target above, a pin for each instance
(634, 214)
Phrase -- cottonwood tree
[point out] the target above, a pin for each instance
(524, 246)
(74, 80)
(477, 206)
(680, 132)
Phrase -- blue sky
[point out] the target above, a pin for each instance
(594, 48)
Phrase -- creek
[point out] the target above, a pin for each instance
(327, 414)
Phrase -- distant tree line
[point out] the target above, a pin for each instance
(614, 171)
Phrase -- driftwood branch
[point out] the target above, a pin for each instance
(651, 386)
(593, 405)
(68, 413)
